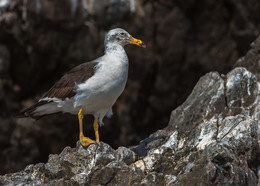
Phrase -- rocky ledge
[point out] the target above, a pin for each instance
(212, 139)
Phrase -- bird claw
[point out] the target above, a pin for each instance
(85, 141)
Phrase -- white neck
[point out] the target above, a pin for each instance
(116, 51)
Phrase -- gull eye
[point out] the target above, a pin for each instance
(122, 34)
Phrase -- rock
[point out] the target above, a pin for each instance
(75, 165)
(68, 14)
(4, 61)
(4, 4)
(212, 139)
(46, 38)
(126, 155)
(251, 59)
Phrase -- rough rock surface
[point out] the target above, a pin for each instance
(41, 39)
(213, 138)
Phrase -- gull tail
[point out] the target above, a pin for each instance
(34, 111)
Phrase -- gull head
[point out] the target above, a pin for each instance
(122, 37)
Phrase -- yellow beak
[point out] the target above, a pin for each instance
(137, 42)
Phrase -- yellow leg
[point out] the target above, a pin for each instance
(95, 126)
(85, 141)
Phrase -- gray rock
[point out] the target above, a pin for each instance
(212, 139)
(125, 155)
(46, 38)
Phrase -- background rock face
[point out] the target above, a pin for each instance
(40, 40)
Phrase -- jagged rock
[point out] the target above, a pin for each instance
(97, 164)
(45, 38)
(212, 139)
(251, 60)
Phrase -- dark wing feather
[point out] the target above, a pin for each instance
(28, 112)
(64, 88)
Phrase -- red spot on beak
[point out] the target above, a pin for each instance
(143, 45)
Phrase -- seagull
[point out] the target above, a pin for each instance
(89, 88)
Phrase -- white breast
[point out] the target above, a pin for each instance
(102, 90)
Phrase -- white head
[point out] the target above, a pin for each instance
(121, 37)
